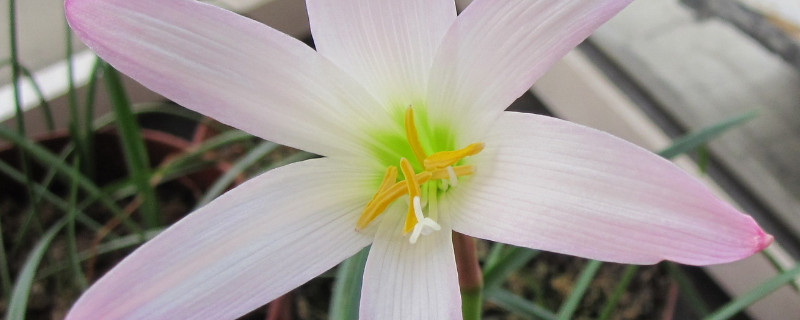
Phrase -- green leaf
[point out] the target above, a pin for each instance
(575, 296)
(133, 146)
(41, 191)
(687, 289)
(750, 297)
(72, 246)
(519, 306)
(693, 140)
(22, 288)
(242, 164)
(347, 287)
(510, 260)
(624, 281)
(47, 158)
(5, 275)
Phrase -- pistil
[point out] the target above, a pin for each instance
(439, 166)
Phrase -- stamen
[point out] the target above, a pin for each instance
(388, 179)
(413, 192)
(411, 135)
(438, 166)
(442, 159)
(382, 200)
(452, 175)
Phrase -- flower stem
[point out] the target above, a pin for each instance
(469, 276)
(280, 308)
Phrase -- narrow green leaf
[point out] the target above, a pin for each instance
(22, 288)
(72, 247)
(624, 281)
(46, 158)
(347, 287)
(687, 289)
(155, 108)
(133, 146)
(114, 245)
(493, 256)
(88, 166)
(509, 261)
(755, 294)
(248, 160)
(695, 139)
(15, 82)
(5, 275)
(575, 296)
(76, 132)
(519, 306)
(41, 191)
(773, 260)
(189, 158)
(43, 104)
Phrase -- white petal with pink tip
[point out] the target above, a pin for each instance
(240, 251)
(549, 184)
(233, 69)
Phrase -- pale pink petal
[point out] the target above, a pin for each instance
(230, 68)
(251, 245)
(410, 281)
(549, 184)
(496, 50)
(388, 45)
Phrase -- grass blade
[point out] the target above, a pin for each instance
(22, 288)
(46, 158)
(509, 261)
(77, 134)
(625, 280)
(750, 297)
(575, 296)
(695, 139)
(72, 246)
(518, 305)
(687, 289)
(133, 147)
(43, 104)
(247, 161)
(347, 287)
(5, 275)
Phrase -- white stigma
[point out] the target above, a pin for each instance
(452, 175)
(424, 225)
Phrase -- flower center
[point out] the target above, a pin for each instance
(439, 169)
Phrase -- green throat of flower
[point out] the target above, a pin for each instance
(439, 172)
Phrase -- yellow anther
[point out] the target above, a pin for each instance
(445, 159)
(438, 166)
(411, 135)
(382, 200)
(413, 191)
(389, 179)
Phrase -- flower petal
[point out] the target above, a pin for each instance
(410, 281)
(495, 51)
(249, 246)
(388, 45)
(230, 68)
(549, 184)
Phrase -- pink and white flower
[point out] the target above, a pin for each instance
(391, 82)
